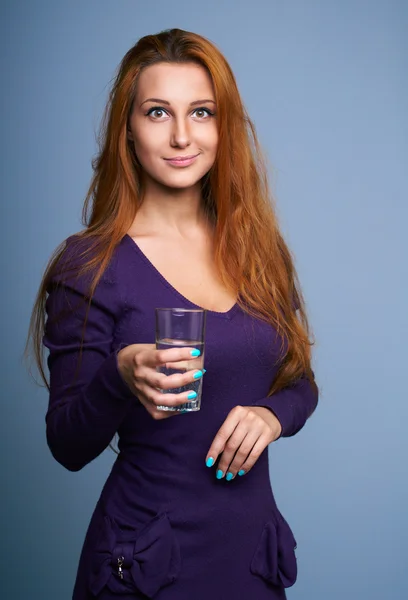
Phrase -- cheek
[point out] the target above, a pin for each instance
(148, 140)
(148, 149)
(210, 140)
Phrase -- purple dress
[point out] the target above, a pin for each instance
(164, 527)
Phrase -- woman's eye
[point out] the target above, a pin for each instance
(157, 113)
(202, 113)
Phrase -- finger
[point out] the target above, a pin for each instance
(168, 399)
(224, 433)
(232, 446)
(159, 415)
(148, 377)
(184, 365)
(155, 412)
(259, 447)
(174, 381)
(241, 456)
(172, 355)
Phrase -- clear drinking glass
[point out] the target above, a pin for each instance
(180, 328)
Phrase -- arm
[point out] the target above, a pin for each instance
(292, 405)
(248, 430)
(88, 398)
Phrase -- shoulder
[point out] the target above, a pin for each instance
(79, 261)
(80, 252)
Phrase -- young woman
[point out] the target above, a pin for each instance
(178, 214)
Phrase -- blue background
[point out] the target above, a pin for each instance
(326, 84)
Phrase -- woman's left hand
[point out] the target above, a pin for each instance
(242, 438)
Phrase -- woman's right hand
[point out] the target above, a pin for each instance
(137, 365)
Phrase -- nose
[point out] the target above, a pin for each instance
(180, 133)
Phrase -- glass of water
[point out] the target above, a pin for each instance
(180, 328)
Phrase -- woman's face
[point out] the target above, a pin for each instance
(173, 117)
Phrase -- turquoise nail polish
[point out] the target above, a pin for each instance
(210, 461)
(204, 370)
(195, 352)
(219, 474)
(229, 476)
(192, 395)
(241, 472)
(198, 375)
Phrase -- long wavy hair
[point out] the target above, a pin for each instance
(251, 255)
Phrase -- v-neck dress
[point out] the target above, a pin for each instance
(164, 526)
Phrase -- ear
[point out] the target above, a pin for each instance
(129, 135)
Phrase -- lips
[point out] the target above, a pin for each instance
(182, 161)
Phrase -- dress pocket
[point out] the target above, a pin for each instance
(126, 559)
(275, 559)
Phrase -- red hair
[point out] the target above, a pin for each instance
(251, 255)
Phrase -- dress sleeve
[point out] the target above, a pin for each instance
(292, 405)
(88, 398)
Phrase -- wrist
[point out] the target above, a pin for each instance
(271, 419)
(124, 358)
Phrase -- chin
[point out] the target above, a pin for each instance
(181, 185)
(182, 181)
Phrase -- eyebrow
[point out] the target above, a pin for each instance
(195, 103)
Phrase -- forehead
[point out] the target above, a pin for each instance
(175, 83)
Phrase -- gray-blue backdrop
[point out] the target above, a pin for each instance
(326, 84)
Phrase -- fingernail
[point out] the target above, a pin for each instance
(204, 370)
(219, 474)
(195, 352)
(192, 395)
(210, 461)
(198, 375)
(229, 476)
(241, 472)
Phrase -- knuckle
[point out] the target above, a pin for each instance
(151, 409)
(138, 359)
(230, 446)
(156, 398)
(241, 454)
(139, 374)
(222, 437)
(161, 356)
(241, 411)
(161, 381)
(158, 416)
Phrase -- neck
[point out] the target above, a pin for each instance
(170, 211)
